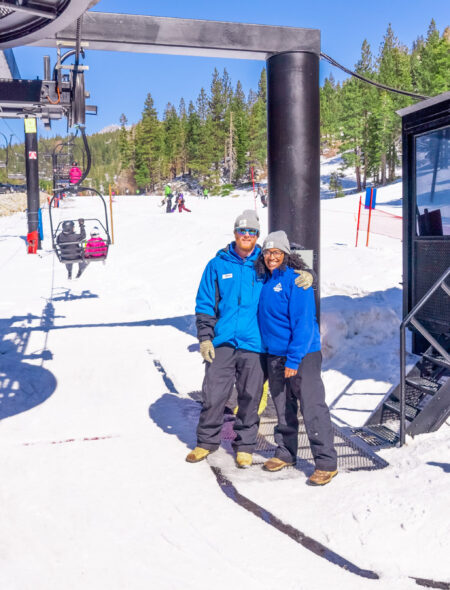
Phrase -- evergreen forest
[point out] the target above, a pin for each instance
(221, 136)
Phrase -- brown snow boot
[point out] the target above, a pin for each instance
(275, 464)
(321, 478)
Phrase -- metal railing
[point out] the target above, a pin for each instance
(411, 319)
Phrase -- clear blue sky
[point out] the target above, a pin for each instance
(119, 82)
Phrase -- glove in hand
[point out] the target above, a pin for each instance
(305, 279)
(81, 221)
(207, 351)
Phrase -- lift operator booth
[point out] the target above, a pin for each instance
(426, 213)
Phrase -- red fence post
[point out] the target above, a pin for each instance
(370, 215)
(357, 224)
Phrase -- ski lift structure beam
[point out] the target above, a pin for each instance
(292, 56)
(179, 36)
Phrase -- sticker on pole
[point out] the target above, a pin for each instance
(32, 155)
(30, 125)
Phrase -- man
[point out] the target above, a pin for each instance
(230, 341)
(168, 199)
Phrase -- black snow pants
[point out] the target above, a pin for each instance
(81, 266)
(246, 370)
(307, 387)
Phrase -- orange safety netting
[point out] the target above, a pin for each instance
(381, 223)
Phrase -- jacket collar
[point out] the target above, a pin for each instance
(230, 254)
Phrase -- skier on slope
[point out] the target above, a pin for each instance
(167, 190)
(169, 203)
(181, 204)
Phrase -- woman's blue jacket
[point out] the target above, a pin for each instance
(287, 318)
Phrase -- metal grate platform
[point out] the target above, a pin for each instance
(351, 456)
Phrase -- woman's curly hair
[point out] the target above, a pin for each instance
(293, 260)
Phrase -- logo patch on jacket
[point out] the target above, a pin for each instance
(228, 276)
(278, 288)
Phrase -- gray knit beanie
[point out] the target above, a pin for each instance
(277, 239)
(248, 220)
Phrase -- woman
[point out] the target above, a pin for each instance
(287, 320)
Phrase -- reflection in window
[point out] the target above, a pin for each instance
(433, 183)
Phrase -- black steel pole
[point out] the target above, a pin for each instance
(32, 174)
(293, 122)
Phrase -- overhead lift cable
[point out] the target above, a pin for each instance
(333, 62)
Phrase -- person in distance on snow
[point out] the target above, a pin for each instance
(290, 333)
(230, 341)
(181, 204)
(70, 246)
(169, 203)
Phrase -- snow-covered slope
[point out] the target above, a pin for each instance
(96, 376)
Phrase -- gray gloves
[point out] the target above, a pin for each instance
(305, 279)
(207, 351)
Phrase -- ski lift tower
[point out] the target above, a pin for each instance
(426, 213)
(293, 109)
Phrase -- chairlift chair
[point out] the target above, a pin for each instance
(62, 157)
(80, 254)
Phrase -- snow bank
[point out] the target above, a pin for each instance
(14, 202)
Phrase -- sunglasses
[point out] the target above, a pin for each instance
(242, 231)
(273, 254)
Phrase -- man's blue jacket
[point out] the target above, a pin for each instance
(227, 301)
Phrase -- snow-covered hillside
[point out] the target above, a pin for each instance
(96, 379)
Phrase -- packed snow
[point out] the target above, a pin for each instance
(98, 382)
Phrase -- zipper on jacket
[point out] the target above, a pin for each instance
(240, 288)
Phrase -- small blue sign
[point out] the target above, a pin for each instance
(40, 227)
(371, 193)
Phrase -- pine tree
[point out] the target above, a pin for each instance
(357, 103)
(148, 147)
(241, 132)
(329, 112)
(183, 134)
(258, 124)
(395, 71)
(172, 142)
(125, 147)
(432, 63)
(202, 105)
(217, 110)
(193, 135)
